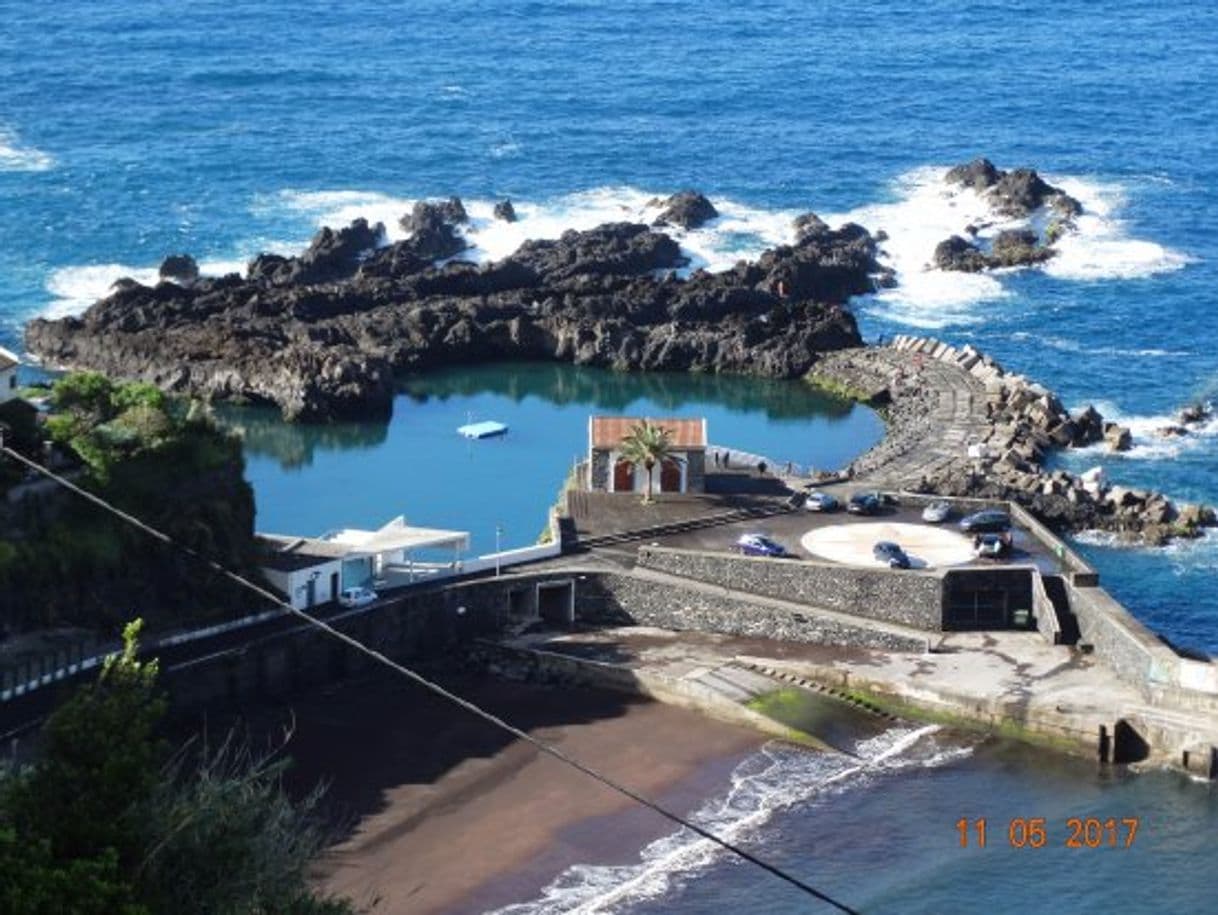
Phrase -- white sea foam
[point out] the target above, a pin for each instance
(74, 289)
(1148, 443)
(776, 778)
(17, 157)
(1080, 346)
(740, 231)
(926, 211)
(1100, 249)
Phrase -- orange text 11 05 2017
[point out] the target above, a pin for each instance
(1037, 832)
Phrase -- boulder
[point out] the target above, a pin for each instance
(980, 174)
(1017, 193)
(1117, 437)
(687, 209)
(505, 211)
(430, 225)
(1018, 248)
(956, 253)
(1088, 427)
(181, 268)
(1194, 414)
(809, 225)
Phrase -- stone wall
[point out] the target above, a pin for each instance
(908, 598)
(621, 600)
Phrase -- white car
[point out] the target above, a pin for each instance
(821, 502)
(937, 512)
(357, 597)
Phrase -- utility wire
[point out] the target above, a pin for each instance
(429, 685)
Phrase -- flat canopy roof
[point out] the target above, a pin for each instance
(608, 431)
(396, 535)
(8, 359)
(288, 554)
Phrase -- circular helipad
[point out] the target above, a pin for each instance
(928, 547)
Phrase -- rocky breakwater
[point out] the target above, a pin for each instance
(1019, 196)
(323, 334)
(961, 425)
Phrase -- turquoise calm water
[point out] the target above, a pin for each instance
(313, 479)
(131, 130)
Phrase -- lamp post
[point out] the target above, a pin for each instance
(498, 535)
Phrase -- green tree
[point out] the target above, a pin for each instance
(648, 444)
(108, 822)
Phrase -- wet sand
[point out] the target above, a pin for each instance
(445, 813)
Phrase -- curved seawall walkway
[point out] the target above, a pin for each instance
(936, 410)
(940, 401)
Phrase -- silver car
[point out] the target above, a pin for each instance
(937, 512)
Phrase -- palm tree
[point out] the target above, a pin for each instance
(647, 444)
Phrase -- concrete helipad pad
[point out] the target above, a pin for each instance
(928, 547)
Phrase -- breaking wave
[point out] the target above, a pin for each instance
(774, 779)
(925, 211)
(1149, 443)
(17, 157)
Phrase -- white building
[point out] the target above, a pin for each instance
(8, 374)
(315, 570)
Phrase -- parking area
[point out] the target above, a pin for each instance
(848, 539)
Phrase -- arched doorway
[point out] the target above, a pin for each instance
(623, 476)
(670, 476)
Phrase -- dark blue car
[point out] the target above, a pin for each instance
(890, 554)
(760, 545)
(864, 503)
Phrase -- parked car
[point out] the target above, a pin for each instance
(864, 503)
(357, 597)
(937, 512)
(760, 545)
(890, 554)
(992, 546)
(821, 502)
(990, 520)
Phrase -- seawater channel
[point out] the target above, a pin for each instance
(309, 479)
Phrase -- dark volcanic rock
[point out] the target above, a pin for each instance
(1018, 248)
(430, 225)
(1010, 248)
(180, 268)
(956, 253)
(322, 335)
(1017, 193)
(809, 225)
(505, 211)
(687, 209)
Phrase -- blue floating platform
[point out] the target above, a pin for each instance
(487, 429)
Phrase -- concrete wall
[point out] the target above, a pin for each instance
(1047, 622)
(909, 598)
(624, 601)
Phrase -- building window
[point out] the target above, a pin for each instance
(12, 381)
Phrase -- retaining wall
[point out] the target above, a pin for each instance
(621, 600)
(910, 598)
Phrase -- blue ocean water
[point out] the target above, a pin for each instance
(131, 130)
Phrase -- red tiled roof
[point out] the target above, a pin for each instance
(608, 431)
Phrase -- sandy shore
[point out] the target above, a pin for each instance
(445, 813)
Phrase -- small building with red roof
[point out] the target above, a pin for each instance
(608, 471)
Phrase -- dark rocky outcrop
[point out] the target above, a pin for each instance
(809, 225)
(322, 335)
(687, 209)
(505, 211)
(1010, 248)
(1015, 194)
(431, 228)
(181, 268)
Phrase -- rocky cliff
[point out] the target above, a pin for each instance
(323, 334)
